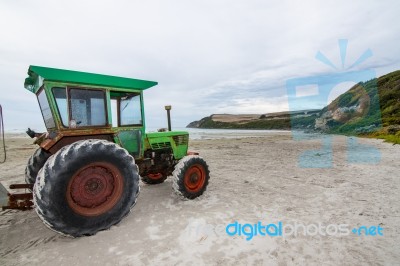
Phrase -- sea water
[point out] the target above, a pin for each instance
(196, 133)
(202, 133)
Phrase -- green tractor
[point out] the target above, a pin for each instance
(85, 174)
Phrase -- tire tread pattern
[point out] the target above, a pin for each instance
(179, 173)
(35, 163)
(51, 184)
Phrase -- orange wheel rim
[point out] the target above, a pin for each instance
(95, 189)
(155, 176)
(195, 178)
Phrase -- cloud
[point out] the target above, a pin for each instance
(208, 56)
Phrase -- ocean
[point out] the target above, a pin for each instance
(200, 133)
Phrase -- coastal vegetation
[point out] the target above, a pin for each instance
(370, 109)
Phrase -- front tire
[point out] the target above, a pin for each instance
(190, 177)
(86, 187)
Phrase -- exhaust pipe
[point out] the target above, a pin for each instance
(168, 108)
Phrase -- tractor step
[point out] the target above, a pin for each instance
(16, 201)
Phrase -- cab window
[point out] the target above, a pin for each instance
(46, 111)
(60, 95)
(87, 108)
(130, 110)
(126, 109)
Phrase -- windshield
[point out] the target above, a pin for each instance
(83, 107)
(88, 107)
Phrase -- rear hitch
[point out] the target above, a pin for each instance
(16, 201)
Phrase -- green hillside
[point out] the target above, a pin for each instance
(389, 96)
(208, 122)
(369, 108)
(378, 101)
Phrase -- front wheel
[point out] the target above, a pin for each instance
(190, 177)
(86, 187)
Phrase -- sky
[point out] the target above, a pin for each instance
(208, 56)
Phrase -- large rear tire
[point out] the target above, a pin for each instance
(35, 163)
(86, 187)
(190, 177)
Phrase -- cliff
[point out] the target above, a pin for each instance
(369, 107)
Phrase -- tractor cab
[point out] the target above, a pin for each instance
(77, 105)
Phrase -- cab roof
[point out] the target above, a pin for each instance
(38, 74)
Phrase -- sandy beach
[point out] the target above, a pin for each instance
(252, 179)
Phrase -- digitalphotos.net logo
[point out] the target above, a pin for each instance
(313, 90)
(249, 231)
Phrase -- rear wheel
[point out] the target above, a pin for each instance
(190, 177)
(153, 179)
(86, 187)
(35, 163)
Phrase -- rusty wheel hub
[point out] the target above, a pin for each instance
(95, 189)
(155, 176)
(195, 178)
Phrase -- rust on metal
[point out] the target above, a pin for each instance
(18, 186)
(20, 201)
(195, 178)
(20, 196)
(40, 137)
(95, 189)
(156, 176)
(69, 139)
